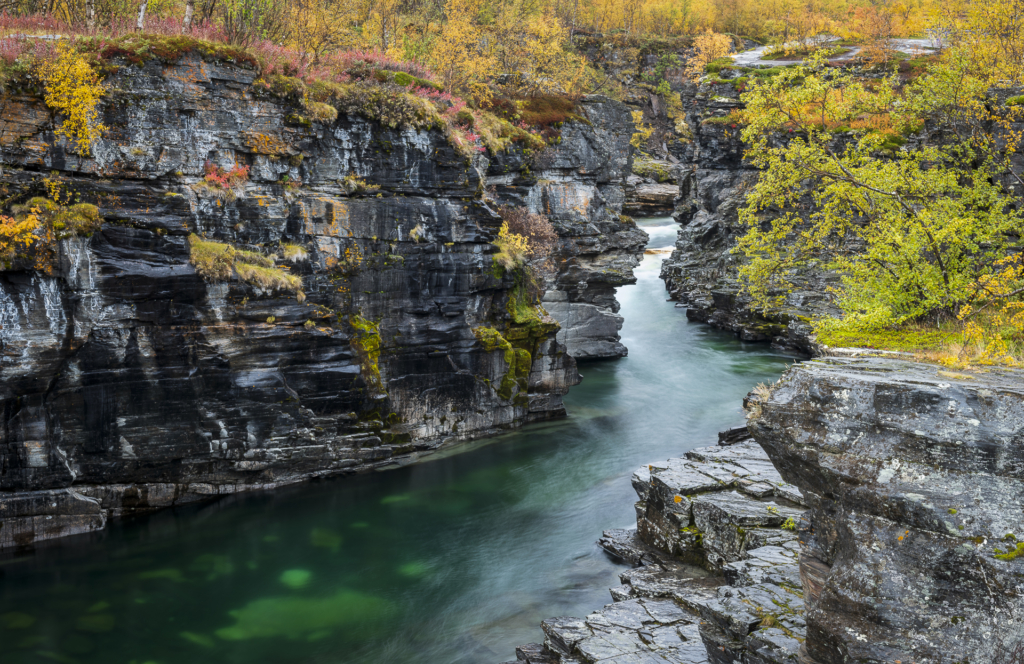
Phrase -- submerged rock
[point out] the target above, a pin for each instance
(306, 617)
(296, 578)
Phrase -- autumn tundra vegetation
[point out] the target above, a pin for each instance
(901, 174)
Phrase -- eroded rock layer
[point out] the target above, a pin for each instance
(915, 478)
(131, 382)
(578, 185)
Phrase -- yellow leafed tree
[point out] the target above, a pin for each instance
(457, 56)
(706, 48)
(530, 49)
(73, 89)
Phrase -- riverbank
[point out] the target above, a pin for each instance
(872, 517)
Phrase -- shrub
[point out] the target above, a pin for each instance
(514, 248)
(16, 237)
(73, 88)
(465, 118)
(28, 239)
(220, 183)
(708, 48)
(324, 113)
(537, 229)
(353, 184)
(547, 110)
(643, 131)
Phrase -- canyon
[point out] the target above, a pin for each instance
(867, 510)
(404, 336)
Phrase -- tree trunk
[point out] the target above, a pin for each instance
(90, 14)
(141, 22)
(186, 25)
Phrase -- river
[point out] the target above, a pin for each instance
(454, 560)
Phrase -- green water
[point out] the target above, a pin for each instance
(452, 560)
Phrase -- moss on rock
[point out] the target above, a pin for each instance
(366, 342)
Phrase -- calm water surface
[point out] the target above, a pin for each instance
(452, 560)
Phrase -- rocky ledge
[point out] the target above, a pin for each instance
(716, 576)
(647, 197)
(915, 478)
(365, 325)
(873, 519)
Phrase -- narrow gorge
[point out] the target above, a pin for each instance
(270, 394)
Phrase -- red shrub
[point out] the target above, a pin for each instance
(225, 179)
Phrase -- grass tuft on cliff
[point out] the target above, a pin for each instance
(218, 261)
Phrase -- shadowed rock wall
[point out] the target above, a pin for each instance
(129, 382)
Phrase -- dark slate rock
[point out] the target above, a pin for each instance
(130, 379)
(914, 478)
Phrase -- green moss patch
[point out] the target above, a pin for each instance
(905, 340)
(366, 342)
(492, 340)
(651, 169)
(217, 261)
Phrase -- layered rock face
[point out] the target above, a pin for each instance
(578, 185)
(874, 518)
(915, 478)
(654, 193)
(130, 382)
(702, 271)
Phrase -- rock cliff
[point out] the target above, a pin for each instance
(131, 381)
(914, 477)
(702, 271)
(578, 185)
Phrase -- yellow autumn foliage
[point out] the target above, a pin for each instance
(457, 56)
(707, 47)
(16, 237)
(73, 89)
(514, 248)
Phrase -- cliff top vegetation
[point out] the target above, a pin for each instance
(909, 190)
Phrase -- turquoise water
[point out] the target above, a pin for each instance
(453, 560)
